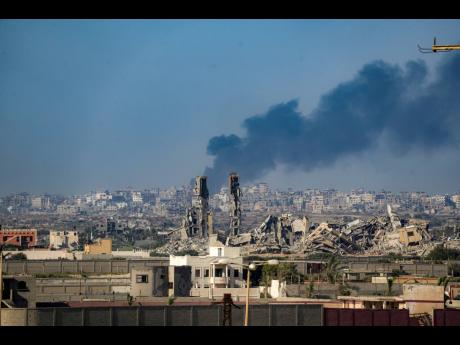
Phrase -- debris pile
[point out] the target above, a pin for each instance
(276, 234)
(173, 247)
(326, 239)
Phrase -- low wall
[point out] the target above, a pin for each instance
(78, 266)
(13, 317)
(238, 294)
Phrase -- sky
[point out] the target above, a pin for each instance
(106, 104)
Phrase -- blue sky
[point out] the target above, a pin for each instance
(88, 104)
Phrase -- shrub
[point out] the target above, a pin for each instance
(18, 256)
(170, 300)
(441, 253)
(190, 252)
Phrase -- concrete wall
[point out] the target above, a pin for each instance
(77, 266)
(209, 315)
(238, 294)
(356, 288)
(423, 298)
(13, 317)
(47, 254)
(436, 270)
(144, 289)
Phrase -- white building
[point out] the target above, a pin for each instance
(63, 239)
(209, 271)
(137, 198)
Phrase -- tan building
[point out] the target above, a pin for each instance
(421, 298)
(102, 246)
(410, 235)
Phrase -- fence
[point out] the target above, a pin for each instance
(208, 315)
(363, 317)
(446, 317)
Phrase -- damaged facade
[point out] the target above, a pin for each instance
(235, 208)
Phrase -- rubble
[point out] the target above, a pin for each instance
(197, 244)
(380, 235)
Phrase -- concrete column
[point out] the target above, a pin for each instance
(165, 316)
(82, 316)
(138, 316)
(191, 315)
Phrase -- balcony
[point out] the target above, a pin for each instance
(219, 280)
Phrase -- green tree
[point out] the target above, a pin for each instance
(288, 272)
(390, 281)
(310, 289)
(344, 290)
(268, 273)
(441, 253)
(332, 269)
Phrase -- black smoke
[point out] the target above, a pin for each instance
(381, 101)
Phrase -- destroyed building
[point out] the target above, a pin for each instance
(235, 208)
(275, 234)
(198, 219)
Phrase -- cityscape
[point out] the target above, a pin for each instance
(340, 207)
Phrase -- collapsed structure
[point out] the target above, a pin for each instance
(288, 234)
(198, 220)
(275, 234)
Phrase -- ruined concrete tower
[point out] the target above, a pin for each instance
(198, 214)
(235, 208)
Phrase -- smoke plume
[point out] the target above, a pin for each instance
(381, 101)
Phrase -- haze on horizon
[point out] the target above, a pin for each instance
(105, 104)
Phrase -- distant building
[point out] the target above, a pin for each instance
(36, 202)
(22, 238)
(102, 246)
(136, 197)
(63, 239)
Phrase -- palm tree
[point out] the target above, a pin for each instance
(390, 281)
(332, 269)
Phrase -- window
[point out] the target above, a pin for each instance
(206, 272)
(236, 273)
(197, 273)
(410, 233)
(170, 285)
(219, 272)
(142, 278)
(219, 251)
(22, 286)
